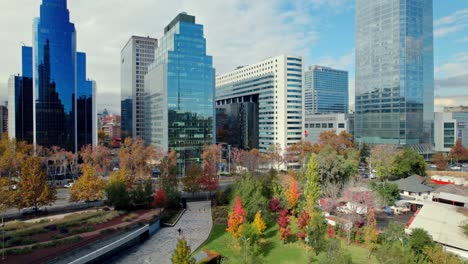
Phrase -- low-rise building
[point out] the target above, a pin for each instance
(451, 194)
(448, 128)
(414, 187)
(315, 124)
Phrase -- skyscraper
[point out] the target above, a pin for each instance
(325, 90)
(179, 92)
(274, 85)
(63, 100)
(135, 58)
(394, 71)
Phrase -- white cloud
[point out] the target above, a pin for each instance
(345, 62)
(457, 65)
(452, 23)
(238, 32)
(441, 102)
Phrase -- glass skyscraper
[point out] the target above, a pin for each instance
(394, 72)
(62, 99)
(179, 87)
(325, 90)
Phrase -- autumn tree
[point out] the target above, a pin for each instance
(458, 151)
(341, 143)
(33, 186)
(252, 160)
(382, 158)
(98, 157)
(89, 187)
(182, 253)
(292, 194)
(302, 223)
(440, 161)
(7, 196)
(136, 157)
(12, 155)
(191, 180)
(259, 224)
(298, 152)
(437, 255)
(283, 225)
(370, 232)
(236, 219)
(160, 199)
(58, 161)
(211, 156)
(312, 186)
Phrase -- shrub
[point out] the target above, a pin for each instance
(130, 217)
(83, 229)
(18, 251)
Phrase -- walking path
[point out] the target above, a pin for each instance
(196, 225)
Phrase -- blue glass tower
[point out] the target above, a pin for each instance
(394, 72)
(179, 106)
(62, 97)
(325, 90)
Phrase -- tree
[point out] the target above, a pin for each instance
(341, 143)
(98, 157)
(117, 194)
(182, 253)
(103, 138)
(437, 255)
(236, 219)
(160, 199)
(317, 231)
(420, 240)
(274, 205)
(12, 155)
(136, 157)
(365, 153)
(292, 194)
(458, 151)
(283, 225)
(211, 156)
(387, 192)
(191, 180)
(251, 191)
(312, 187)
(298, 152)
(169, 180)
(274, 155)
(382, 158)
(331, 192)
(407, 163)
(440, 161)
(397, 252)
(33, 186)
(89, 187)
(332, 167)
(259, 224)
(7, 196)
(370, 232)
(302, 223)
(252, 160)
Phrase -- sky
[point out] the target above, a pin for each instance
(238, 32)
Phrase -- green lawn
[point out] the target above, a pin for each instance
(276, 252)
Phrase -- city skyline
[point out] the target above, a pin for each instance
(316, 31)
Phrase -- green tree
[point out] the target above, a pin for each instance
(182, 253)
(332, 167)
(316, 233)
(386, 192)
(409, 162)
(391, 252)
(312, 186)
(437, 255)
(382, 158)
(336, 254)
(33, 186)
(419, 240)
(251, 192)
(117, 194)
(365, 152)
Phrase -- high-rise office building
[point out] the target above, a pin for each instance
(179, 92)
(325, 90)
(135, 58)
(53, 102)
(275, 85)
(394, 72)
(3, 119)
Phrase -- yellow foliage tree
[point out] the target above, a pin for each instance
(438, 256)
(7, 196)
(89, 187)
(259, 224)
(370, 232)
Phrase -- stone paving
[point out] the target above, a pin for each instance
(196, 225)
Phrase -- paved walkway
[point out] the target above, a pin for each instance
(196, 225)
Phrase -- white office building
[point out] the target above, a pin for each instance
(448, 128)
(276, 85)
(314, 125)
(135, 58)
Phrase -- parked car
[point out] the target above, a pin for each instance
(69, 185)
(432, 166)
(31, 210)
(455, 168)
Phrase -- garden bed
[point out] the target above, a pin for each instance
(171, 216)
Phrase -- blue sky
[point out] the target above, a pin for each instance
(238, 32)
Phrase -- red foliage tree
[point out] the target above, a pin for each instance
(236, 218)
(331, 232)
(211, 156)
(302, 222)
(274, 205)
(283, 225)
(160, 199)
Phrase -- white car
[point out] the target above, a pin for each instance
(432, 166)
(68, 185)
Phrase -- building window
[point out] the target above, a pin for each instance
(341, 125)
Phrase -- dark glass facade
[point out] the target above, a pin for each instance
(179, 106)
(62, 95)
(394, 72)
(237, 124)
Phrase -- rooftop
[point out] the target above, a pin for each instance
(413, 184)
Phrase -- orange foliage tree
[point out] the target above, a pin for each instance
(236, 218)
(440, 161)
(292, 194)
(458, 151)
(298, 152)
(341, 143)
